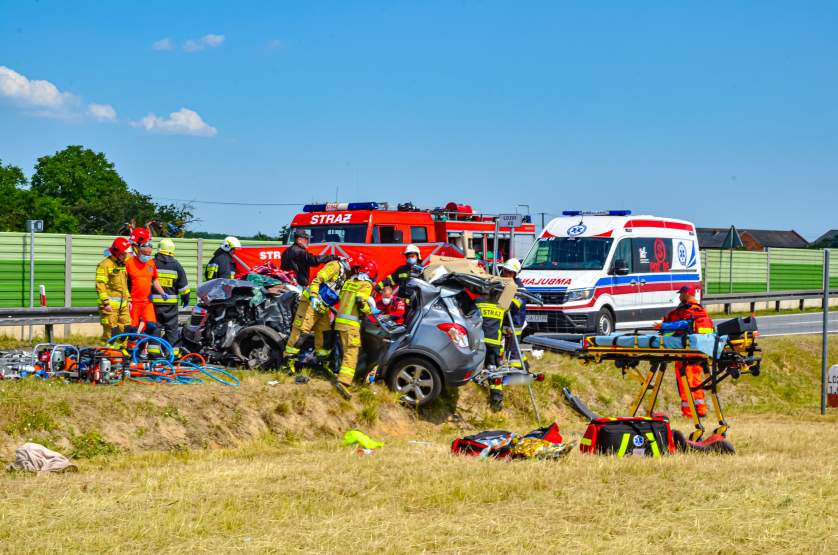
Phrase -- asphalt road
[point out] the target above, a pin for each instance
(793, 324)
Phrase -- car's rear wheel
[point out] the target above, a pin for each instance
(604, 322)
(258, 347)
(417, 379)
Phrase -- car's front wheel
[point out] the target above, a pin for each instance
(259, 348)
(417, 379)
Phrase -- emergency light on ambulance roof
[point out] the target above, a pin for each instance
(596, 213)
(340, 206)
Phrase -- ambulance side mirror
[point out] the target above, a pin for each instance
(620, 268)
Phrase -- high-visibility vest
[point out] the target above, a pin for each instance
(354, 301)
(492, 320)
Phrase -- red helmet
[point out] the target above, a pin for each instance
(140, 236)
(370, 268)
(120, 246)
(357, 262)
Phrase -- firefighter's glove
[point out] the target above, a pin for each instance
(374, 310)
(165, 296)
(657, 325)
(317, 304)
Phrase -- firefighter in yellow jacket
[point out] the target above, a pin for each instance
(112, 289)
(312, 314)
(355, 297)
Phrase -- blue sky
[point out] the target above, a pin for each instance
(716, 112)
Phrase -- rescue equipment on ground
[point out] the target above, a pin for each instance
(541, 443)
(629, 436)
(730, 352)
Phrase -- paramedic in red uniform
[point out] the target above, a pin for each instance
(142, 276)
(689, 317)
(391, 305)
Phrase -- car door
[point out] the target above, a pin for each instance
(653, 263)
(625, 290)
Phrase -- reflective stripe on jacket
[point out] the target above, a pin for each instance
(354, 301)
(172, 279)
(492, 320)
(111, 282)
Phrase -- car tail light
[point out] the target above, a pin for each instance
(455, 332)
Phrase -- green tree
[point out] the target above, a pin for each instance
(94, 199)
(12, 190)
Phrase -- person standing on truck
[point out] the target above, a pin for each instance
(112, 289)
(355, 302)
(312, 315)
(689, 317)
(399, 277)
(518, 311)
(297, 259)
(222, 265)
(173, 279)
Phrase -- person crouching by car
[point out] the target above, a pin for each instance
(391, 305)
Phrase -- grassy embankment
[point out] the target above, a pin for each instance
(275, 477)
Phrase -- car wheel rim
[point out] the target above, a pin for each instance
(259, 353)
(415, 382)
(604, 325)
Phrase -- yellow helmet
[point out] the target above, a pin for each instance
(167, 246)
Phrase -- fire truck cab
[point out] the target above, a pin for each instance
(381, 231)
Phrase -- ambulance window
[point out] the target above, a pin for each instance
(623, 252)
(418, 234)
(386, 234)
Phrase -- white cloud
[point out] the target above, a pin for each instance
(163, 44)
(207, 41)
(182, 122)
(101, 112)
(34, 93)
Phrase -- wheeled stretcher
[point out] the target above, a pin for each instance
(730, 352)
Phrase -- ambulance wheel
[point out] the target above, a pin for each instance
(258, 348)
(417, 379)
(604, 322)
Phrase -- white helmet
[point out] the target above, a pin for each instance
(230, 244)
(513, 265)
(411, 249)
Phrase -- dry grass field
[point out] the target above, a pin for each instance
(261, 469)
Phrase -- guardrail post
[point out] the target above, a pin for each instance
(68, 277)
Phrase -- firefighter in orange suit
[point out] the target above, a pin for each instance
(689, 317)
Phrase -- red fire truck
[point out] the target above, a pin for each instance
(381, 231)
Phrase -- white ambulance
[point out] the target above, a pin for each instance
(601, 271)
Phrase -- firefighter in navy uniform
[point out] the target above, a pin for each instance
(518, 311)
(402, 274)
(222, 265)
(688, 317)
(297, 259)
(175, 284)
(493, 318)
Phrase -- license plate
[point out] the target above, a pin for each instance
(537, 318)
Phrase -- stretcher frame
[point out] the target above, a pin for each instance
(736, 356)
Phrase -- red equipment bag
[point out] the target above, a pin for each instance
(495, 443)
(628, 436)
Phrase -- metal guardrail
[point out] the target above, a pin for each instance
(49, 317)
(728, 299)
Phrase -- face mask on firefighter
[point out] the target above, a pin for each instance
(386, 300)
(412, 260)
